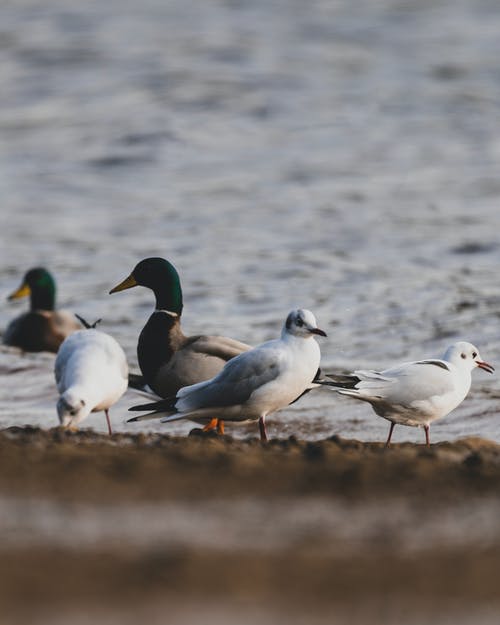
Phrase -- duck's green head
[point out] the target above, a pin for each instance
(161, 277)
(40, 286)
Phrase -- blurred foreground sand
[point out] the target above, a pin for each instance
(209, 530)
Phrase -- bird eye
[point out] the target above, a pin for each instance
(299, 322)
(474, 354)
(463, 355)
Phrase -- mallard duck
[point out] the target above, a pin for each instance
(42, 328)
(91, 375)
(170, 360)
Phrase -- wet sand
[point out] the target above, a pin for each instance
(237, 531)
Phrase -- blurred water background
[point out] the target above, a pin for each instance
(338, 156)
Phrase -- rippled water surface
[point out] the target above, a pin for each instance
(280, 153)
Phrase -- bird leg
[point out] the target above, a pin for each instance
(211, 425)
(427, 437)
(262, 428)
(110, 431)
(388, 441)
(220, 427)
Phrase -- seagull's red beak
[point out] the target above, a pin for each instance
(317, 331)
(484, 365)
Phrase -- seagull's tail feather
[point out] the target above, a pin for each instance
(145, 417)
(157, 409)
(340, 380)
(163, 405)
(175, 417)
(370, 397)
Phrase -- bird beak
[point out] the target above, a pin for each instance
(317, 331)
(484, 365)
(22, 291)
(128, 283)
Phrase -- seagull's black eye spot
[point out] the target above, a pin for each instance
(474, 354)
(463, 356)
(299, 322)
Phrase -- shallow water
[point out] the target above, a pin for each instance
(336, 157)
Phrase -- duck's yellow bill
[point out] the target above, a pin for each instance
(22, 291)
(128, 283)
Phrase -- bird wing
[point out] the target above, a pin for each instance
(217, 346)
(60, 364)
(405, 383)
(239, 378)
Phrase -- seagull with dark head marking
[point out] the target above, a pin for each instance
(254, 384)
(415, 393)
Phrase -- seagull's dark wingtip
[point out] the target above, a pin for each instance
(140, 407)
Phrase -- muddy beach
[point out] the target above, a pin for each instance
(100, 527)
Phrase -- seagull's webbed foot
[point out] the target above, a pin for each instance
(213, 423)
(213, 428)
(202, 433)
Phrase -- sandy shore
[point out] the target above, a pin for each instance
(87, 466)
(236, 531)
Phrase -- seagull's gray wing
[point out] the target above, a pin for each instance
(234, 385)
(405, 384)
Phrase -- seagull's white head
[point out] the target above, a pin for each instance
(463, 354)
(71, 409)
(301, 323)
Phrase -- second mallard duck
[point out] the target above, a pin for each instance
(170, 360)
(43, 328)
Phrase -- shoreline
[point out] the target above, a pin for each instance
(156, 467)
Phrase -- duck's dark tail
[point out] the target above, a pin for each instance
(137, 381)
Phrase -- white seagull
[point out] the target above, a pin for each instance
(254, 383)
(91, 375)
(415, 393)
